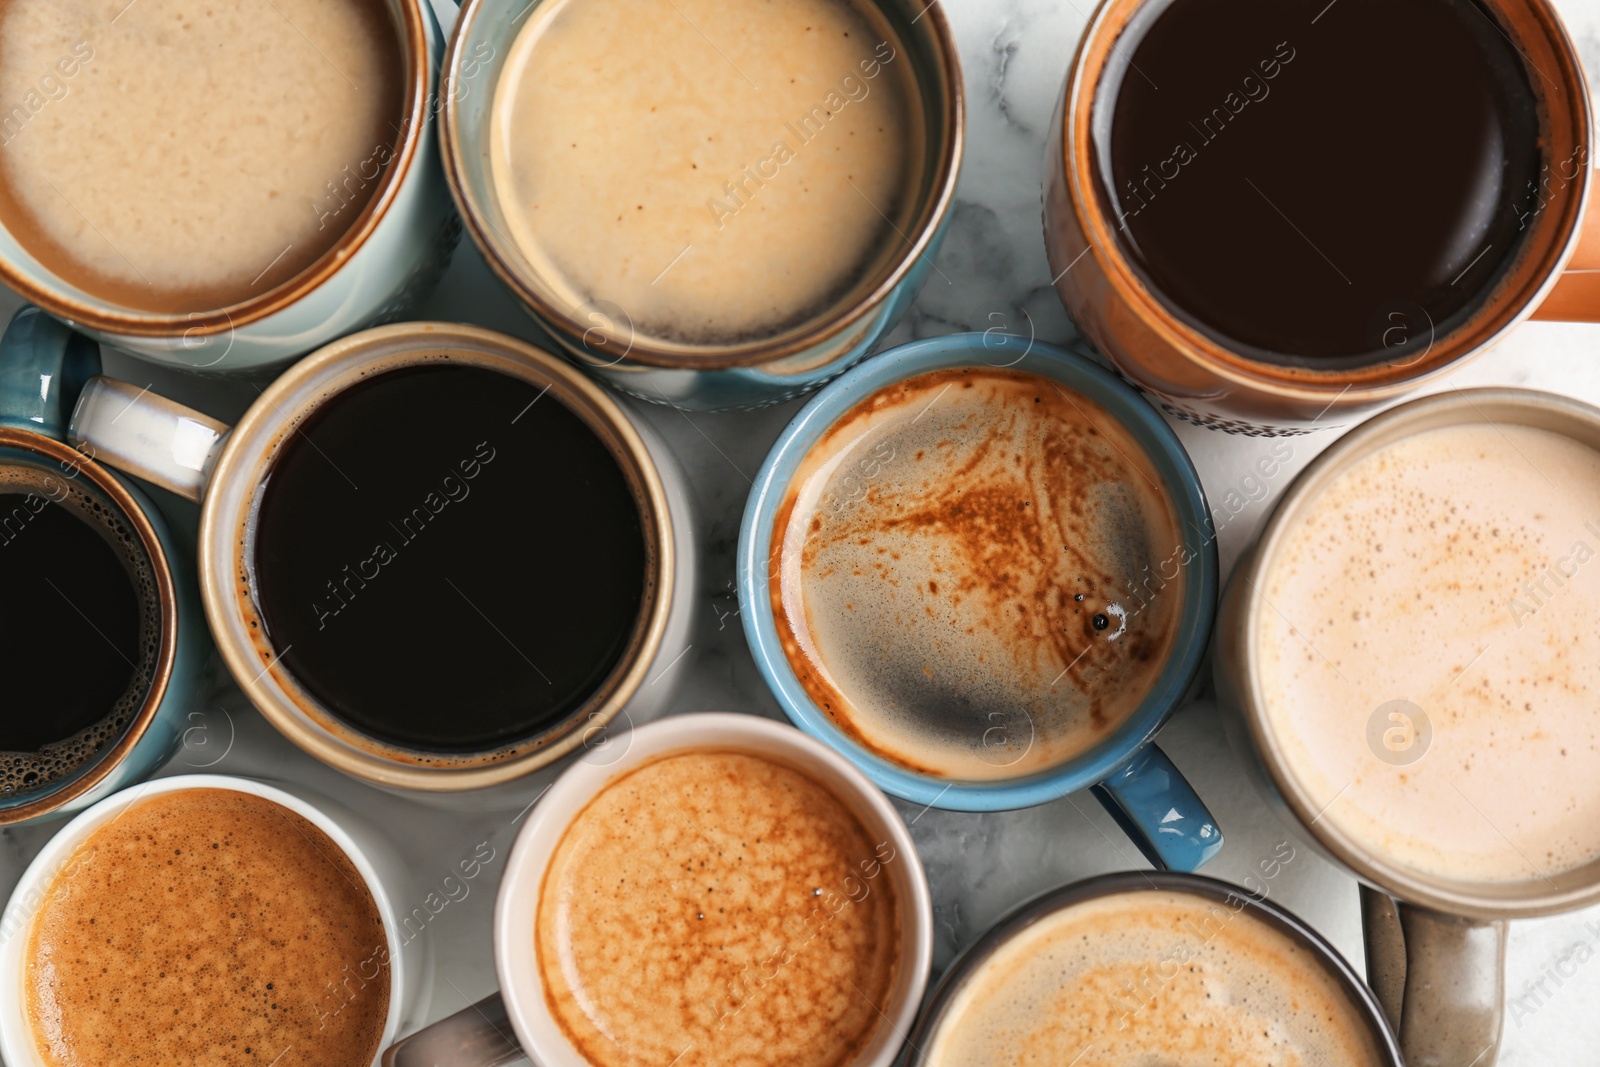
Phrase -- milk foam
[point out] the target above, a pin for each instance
(718, 908)
(196, 154)
(208, 927)
(1454, 570)
(717, 169)
(1151, 977)
(979, 573)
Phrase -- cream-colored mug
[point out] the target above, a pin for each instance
(1435, 926)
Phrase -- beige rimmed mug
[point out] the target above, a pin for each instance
(1435, 946)
(224, 468)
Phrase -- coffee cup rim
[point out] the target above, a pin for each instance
(17, 1046)
(1513, 298)
(95, 772)
(500, 254)
(228, 510)
(1099, 887)
(515, 912)
(1487, 900)
(414, 35)
(997, 351)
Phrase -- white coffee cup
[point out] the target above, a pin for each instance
(379, 865)
(475, 1038)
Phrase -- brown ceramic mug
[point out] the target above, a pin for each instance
(1197, 375)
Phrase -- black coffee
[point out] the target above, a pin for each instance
(79, 602)
(1322, 181)
(448, 559)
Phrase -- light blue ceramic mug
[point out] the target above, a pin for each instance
(43, 368)
(1138, 785)
(394, 250)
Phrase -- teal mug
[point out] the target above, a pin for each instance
(1133, 779)
(43, 368)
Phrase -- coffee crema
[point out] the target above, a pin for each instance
(715, 907)
(1152, 977)
(208, 927)
(80, 635)
(1249, 163)
(977, 573)
(726, 171)
(1446, 579)
(172, 156)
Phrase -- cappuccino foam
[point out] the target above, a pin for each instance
(978, 573)
(1453, 570)
(180, 156)
(718, 908)
(1152, 977)
(208, 927)
(720, 171)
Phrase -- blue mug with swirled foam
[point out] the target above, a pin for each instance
(102, 641)
(983, 568)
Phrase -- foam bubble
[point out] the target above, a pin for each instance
(980, 574)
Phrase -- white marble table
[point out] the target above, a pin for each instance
(1015, 54)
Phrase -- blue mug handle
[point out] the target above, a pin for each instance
(1160, 812)
(44, 365)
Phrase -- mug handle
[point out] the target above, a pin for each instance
(475, 1036)
(43, 367)
(1160, 812)
(146, 435)
(1440, 978)
(1576, 296)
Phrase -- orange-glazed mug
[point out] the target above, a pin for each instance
(1201, 375)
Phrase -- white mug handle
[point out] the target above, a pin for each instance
(146, 435)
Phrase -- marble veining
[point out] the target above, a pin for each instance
(992, 274)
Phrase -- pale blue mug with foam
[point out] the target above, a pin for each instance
(1135, 781)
